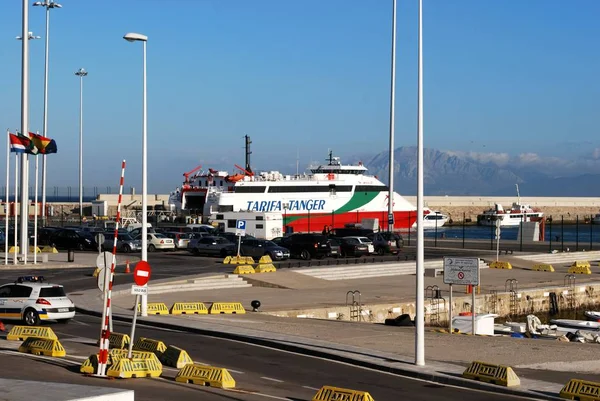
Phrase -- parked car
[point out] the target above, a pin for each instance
(307, 246)
(31, 300)
(158, 241)
(335, 247)
(211, 245)
(364, 240)
(386, 242)
(351, 232)
(125, 242)
(351, 246)
(45, 234)
(232, 237)
(259, 247)
(67, 238)
(181, 239)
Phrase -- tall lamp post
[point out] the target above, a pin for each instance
(25, 131)
(392, 120)
(81, 73)
(49, 5)
(138, 37)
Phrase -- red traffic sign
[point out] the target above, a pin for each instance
(141, 273)
(461, 275)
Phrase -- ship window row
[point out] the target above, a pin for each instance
(251, 189)
(337, 171)
(371, 188)
(310, 188)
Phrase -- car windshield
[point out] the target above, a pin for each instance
(364, 240)
(125, 237)
(157, 235)
(269, 243)
(52, 292)
(184, 235)
(352, 241)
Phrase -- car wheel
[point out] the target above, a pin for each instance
(126, 249)
(31, 317)
(223, 253)
(151, 248)
(196, 252)
(380, 251)
(81, 247)
(305, 255)
(63, 321)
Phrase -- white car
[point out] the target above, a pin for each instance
(158, 241)
(366, 241)
(32, 300)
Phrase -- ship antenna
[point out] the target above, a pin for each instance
(248, 153)
(297, 160)
(330, 157)
(518, 195)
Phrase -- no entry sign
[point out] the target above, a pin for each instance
(141, 273)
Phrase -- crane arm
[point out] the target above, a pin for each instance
(187, 175)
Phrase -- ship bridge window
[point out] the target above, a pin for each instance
(231, 223)
(220, 217)
(250, 189)
(225, 208)
(298, 188)
(371, 188)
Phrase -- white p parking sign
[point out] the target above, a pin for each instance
(240, 228)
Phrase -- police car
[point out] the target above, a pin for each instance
(32, 300)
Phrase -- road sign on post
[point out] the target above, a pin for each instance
(141, 276)
(463, 271)
(390, 218)
(240, 228)
(141, 273)
(99, 240)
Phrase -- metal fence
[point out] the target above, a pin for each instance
(63, 194)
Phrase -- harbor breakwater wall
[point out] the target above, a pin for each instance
(470, 206)
(508, 303)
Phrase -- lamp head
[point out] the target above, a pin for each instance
(133, 37)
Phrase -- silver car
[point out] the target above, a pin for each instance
(125, 243)
(181, 240)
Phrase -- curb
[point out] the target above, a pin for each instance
(440, 378)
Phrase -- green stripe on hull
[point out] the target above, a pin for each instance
(358, 200)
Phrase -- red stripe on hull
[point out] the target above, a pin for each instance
(316, 222)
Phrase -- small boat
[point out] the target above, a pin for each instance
(576, 324)
(432, 219)
(593, 316)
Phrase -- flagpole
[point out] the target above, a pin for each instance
(16, 204)
(7, 213)
(35, 213)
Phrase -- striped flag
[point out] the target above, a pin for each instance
(44, 145)
(19, 144)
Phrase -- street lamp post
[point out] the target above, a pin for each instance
(24, 131)
(392, 121)
(137, 37)
(81, 73)
(285, 208)
(49, 5)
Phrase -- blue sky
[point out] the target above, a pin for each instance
(506, 76)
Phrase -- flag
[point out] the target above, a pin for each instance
(42, 144)
(19, 144)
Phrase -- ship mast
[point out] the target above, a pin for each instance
(248, 153)
(518, 195)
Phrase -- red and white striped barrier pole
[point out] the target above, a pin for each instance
(106, 311)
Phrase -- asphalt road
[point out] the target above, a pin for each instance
(259, 372)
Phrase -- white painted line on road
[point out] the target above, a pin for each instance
(311, 388)
(47, 358)
(271, 379)
(236, 371)
(233, 390)
(78, 322)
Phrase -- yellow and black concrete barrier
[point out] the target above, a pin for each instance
(156, 308)
(582, 390)
(205, 376)
(543, 267)
(218, 308)
(495, 374)
(580, 267)
(21, 333)
(330, 393)
(498, 264)
(42, 346)
(189, 308)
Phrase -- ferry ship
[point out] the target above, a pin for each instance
(518, 213)
(331, 195)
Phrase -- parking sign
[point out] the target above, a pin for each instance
(240, 228)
